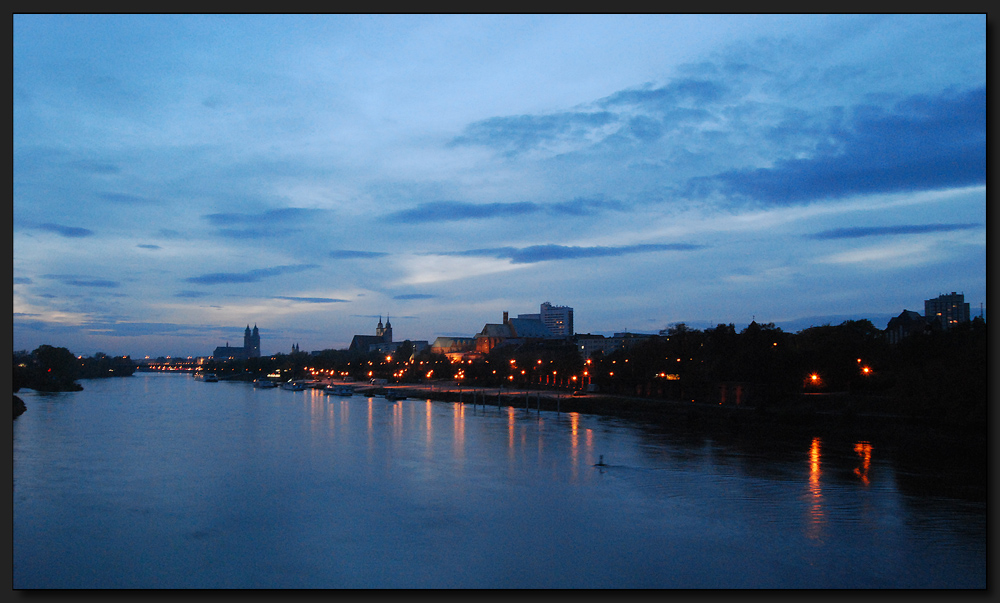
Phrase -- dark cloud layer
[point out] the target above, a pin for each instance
(679, 92)
(453, 211)
(251, 276)
(350, 254)
(414, 296)
(545, 253)
(924, 143)
(82, 281)
(72, 232)
(272, 216)
(872, 231)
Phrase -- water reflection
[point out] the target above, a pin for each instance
(511, 420)
(458, 410)
(864, 450)
(817, 517)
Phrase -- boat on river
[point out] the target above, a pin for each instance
(294, 386)
(339, 390)
(264, 383)
(206, 377)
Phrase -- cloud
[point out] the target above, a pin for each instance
(22, 280)
(148, 246)
(190, 294)
(66, 231)
(925, 143)
(272, 216)
(313, 300)
(251, 276)
(871, 231)
(453, 211)
(263, 231)
(95, 167)
(82, 281)
(414, 296)
(136, 329)
(546, 253)
(126, 198)
(519, 133)
(349, 254)
(683, 91)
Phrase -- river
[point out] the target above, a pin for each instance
(161, 481)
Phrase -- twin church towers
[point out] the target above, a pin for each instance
(250, 349)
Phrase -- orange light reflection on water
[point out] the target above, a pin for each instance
(864, 450)
(430, 429)
(510, 431)
(817, 517)
(459, 428)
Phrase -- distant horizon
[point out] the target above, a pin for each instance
(788, 326)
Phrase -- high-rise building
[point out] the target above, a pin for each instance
(947, 310)
(558, 319)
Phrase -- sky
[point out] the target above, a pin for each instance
(177, 178)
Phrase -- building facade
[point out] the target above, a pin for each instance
(947, 310)
(250, 349)
(366, 343)
(557, 319)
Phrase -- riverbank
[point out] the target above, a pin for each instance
(846, 418)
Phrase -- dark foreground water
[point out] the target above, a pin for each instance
(160, 481)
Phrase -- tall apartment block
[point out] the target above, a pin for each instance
(558, 319)
(949, 310)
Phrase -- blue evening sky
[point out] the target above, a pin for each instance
(179, 177)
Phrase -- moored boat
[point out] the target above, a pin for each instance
(206, 377)
(339, 390)
(264, 383)
(294, 386)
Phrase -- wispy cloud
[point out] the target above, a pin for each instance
(546, 253)
(453, 211)
(414, 296)
(82, 281)
(695, 91)
(148, 246)
(282, 215)
(350, 254)
(251, 276)
(313, 300)
(872, 231)
(95, 167)
(126, 199)
(72, 232)
(518, 133)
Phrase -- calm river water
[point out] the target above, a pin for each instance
(161, 481)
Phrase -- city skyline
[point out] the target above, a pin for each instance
(177, 177)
